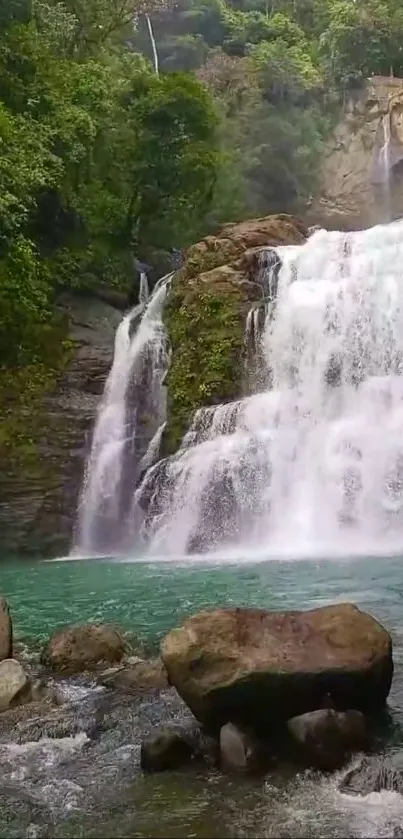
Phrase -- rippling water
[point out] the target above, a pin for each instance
(75, 786)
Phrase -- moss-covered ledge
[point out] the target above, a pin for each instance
(206, 330)
(206, 314)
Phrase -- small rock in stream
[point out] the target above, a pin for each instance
(326, 738)
(238, 751)
(167, 749)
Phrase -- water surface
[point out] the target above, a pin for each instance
(74, 786)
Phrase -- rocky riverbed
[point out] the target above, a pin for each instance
(271, 695)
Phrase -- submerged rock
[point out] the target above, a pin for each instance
(326, 738)
(167, 749)
(78, 648)
(254, 667)
(373, 774)
(15, 684)
(6, 631)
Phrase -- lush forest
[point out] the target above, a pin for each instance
(112, 150)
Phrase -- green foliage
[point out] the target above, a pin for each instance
(207, 325)
(99, 158)
(363, 38)
(279, 71)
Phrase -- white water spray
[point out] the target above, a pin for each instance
(140, 356)
(316, 462)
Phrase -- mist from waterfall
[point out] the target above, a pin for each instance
(315, 462)
(139, 366)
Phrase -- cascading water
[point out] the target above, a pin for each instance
(315, 463)
(133, 398)
(385, 162)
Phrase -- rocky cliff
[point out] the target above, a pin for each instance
(39, 492)
(362, 174)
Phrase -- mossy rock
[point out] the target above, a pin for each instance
(205, 318)
(206, 330)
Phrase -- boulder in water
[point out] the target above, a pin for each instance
(78, 648)
(166, 749)
(326, 738)
(373, 774)
(15, 684)
(254, 667)
(6, 631)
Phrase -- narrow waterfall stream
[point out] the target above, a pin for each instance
(133, 395)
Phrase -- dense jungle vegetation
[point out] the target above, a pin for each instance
(104, 159)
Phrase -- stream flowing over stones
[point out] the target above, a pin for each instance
(323, 431)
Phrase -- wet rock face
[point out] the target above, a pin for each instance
(38, 505)
(326, 738)
(257, 668)
(353, 192)
(373, 774)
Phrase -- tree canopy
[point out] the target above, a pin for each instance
(103, 159)
(99, 157)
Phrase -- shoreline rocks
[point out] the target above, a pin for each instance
(266, 687)
(254, 667)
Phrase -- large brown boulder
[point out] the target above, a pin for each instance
(255, 667)
(77, 648)
(6, 631)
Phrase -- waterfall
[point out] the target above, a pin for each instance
(153, 44)
(144, 291)
(386, 162)
(130, 414)
(314, 463)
